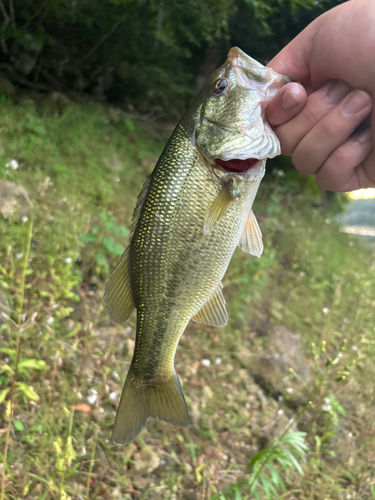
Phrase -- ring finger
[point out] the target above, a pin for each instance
(341, 172)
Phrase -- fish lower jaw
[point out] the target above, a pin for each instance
(252, 166)
(235, 165)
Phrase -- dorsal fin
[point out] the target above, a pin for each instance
(139, 204)
(213, 312)
(118, 296)
(251, 237)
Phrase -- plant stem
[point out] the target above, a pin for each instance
(18, 350)
(24, 267)
(313, 393)
(91, 462)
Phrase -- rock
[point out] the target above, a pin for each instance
(207, 392)
(190, 495)
(286, 351)
(143, 463)
(13, 201)
(279, 365)
(7, 87)
(146, 461)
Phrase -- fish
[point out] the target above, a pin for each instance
(189, 217)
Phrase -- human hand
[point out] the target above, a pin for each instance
(316, 126)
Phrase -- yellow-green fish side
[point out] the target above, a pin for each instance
(174, 269)
(188, 220)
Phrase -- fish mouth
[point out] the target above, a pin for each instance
(252, 74)
(237, 166)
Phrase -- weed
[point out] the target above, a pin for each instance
(63, 362)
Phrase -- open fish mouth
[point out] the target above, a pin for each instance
(236, 165)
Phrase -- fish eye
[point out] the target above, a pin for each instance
(220, 86)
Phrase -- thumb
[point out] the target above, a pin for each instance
(294, 59)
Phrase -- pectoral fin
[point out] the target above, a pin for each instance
(118, 297)
(214, 312)
(251, 238)
(220, 206)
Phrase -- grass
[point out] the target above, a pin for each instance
(62, 362)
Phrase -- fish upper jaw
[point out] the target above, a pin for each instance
(231, 129)
(250, 74)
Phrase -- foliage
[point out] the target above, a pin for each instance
(143, 54)
(267, 467)
(66, 360)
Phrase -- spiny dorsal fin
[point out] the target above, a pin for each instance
(118, 297)
(139, 204)
(251, 237)
(220, 206)
(148, 398)
(214, 312)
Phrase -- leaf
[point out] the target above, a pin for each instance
(28, 390)
(296, 464)
(3, 394)
(276, 478)
(18, 425)
(70, 453)
(112, 247)
(37, 364)
(101, 260)
(122, 231)
(6, 368)
(258, 456)
(89, 238)
(8, 350)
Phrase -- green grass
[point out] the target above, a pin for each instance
(62, 362)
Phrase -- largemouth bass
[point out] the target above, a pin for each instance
(189, 217)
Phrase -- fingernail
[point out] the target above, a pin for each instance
(337, 91)
(364, 136)
(289, 100)
(356, 102)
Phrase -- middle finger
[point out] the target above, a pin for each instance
(331, 131)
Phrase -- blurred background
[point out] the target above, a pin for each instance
(282, 398)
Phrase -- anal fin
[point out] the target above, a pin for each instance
(214, 312)
(118, 297)
(251, 238)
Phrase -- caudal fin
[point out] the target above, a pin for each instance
(141, 399)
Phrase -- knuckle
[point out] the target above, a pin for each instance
(341, 156)
(324, 182)
(329, 128)
(303, 163)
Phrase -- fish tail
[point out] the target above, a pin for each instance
(141, 399)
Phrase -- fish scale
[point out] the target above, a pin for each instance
(180, 265)
(188, 220)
